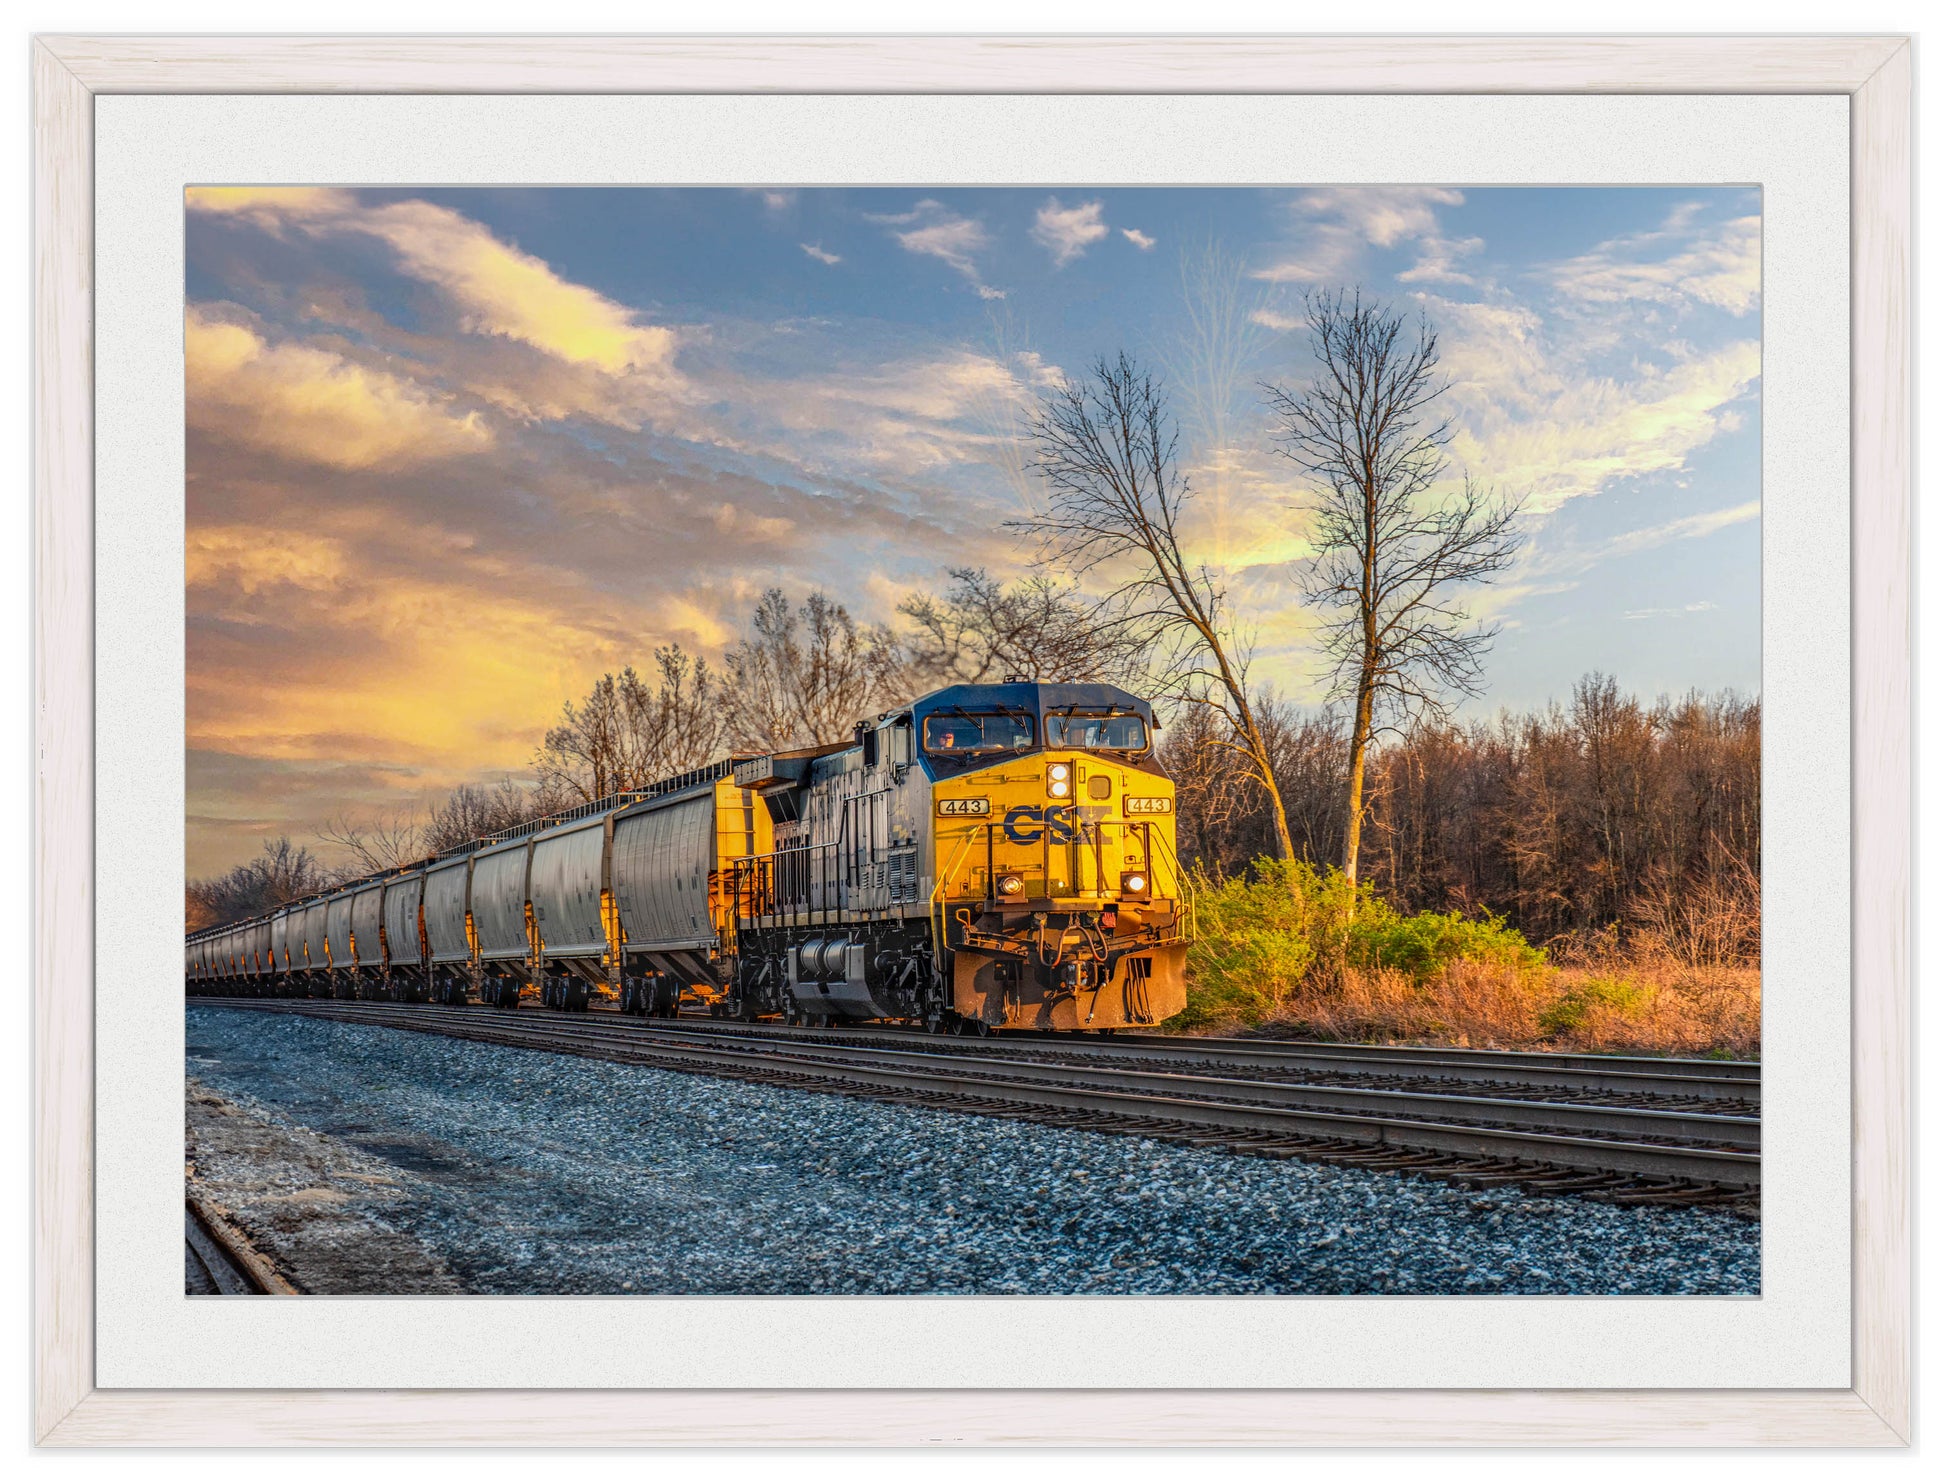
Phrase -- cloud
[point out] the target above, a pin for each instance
(301, 402)
(1635, 614)
(1335, 226)
(1068, 231)
(1597, 430)
(1141, 239)
(1534, 415)
(497, 289)
(911, 416)
(313, 648)
(1270, 319)
(1438, 260)
(1720, 266)
(1683, 528)
(931, 230)
(812, 249)
(986, 292)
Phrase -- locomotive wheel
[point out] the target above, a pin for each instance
(936, 1022)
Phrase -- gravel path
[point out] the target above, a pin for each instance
(536, 1173)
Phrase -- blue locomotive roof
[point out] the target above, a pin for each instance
(1031, 696)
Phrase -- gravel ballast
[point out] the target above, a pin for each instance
(536, 1173)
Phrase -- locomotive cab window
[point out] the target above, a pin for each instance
(949, 733)
(1098, 733)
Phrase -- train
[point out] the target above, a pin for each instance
(989, 856)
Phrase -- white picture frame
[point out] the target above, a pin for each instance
(69, 72)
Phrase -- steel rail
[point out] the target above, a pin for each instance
(1635, 1076)
(1649, 1078)
(1696, 1066)
(1714, 1129)
(1386, 1126)
(235, 1267)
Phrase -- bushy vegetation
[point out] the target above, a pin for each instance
(1606, 812)
(1288, 945)
(1263, 936)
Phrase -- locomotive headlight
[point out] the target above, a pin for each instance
(1134, 883)
(1058, 785)
(1012, 885)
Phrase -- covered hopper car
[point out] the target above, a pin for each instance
(987, 856)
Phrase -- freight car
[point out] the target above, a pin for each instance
(988, 856)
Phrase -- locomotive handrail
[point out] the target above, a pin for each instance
(938, 900)
(780, 882)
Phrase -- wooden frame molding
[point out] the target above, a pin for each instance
(68, 71)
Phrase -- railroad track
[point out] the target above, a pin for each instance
(218, 1261)
(1731, 1087)
(1632, 1139)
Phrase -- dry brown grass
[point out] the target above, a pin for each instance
(1644, 1002)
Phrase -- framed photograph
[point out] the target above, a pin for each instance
(972, 740)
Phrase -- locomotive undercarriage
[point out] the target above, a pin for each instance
(1038, 967)
(840, 972)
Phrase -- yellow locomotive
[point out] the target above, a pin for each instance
(988, 856)
(991, 855)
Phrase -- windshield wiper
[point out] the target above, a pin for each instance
(1003, 710)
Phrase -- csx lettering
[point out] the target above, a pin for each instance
(1026, 822)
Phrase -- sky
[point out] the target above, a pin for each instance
(452, 454)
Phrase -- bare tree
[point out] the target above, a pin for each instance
(1390, 556)
(283, 872)
(626, 733)
(1038, 629)
(1105, 451)
(807, 675)
(472, 811)
(383, 842)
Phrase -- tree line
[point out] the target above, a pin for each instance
(1606, 816)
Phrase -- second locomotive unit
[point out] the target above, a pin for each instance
(988, 856)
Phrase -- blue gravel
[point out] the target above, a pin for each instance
(537, 1173)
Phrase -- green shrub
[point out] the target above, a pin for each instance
(1261, 935)
(1569, 1011)
(1421, 945)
